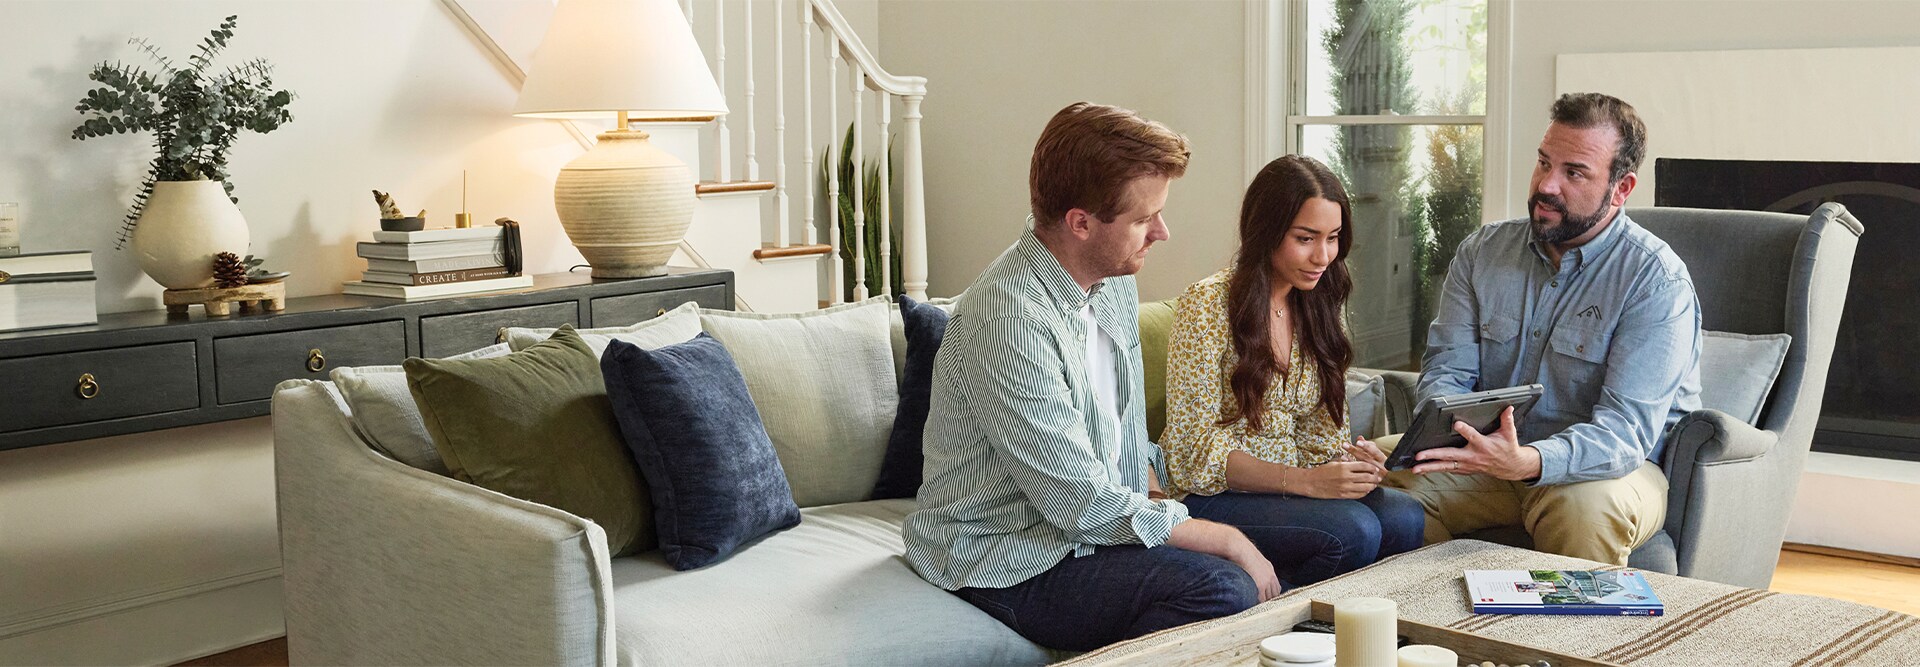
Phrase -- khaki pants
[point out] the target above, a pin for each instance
(1602, 520)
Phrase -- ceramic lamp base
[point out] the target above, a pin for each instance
(625, 205)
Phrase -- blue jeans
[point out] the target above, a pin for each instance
(1311, 539)
(1117, 593)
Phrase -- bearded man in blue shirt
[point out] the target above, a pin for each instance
(1580, 299)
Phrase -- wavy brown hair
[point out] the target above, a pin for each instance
(1266, 215)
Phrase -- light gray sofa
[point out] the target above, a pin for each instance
(1731, 483)
(385, 563)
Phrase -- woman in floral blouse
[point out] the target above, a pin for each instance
(1257, 434)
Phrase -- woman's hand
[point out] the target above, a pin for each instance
(1363, 449)
(1336, 479)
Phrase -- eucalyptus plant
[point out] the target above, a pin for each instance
(194, 112)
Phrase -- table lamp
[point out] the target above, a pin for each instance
(626, 203)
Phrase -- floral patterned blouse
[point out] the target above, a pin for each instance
(1297, 430)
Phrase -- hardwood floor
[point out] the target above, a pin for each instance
(1888, 583)
(1823, 572)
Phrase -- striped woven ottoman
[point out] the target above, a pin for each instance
(1706, 623)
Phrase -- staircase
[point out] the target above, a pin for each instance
(764, 211)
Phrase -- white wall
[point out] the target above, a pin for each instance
(159, 547)
(997, 71)
(1545, 29)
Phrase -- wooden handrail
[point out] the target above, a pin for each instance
(793, 251)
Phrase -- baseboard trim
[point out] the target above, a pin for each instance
(1838, 552)
(92, 609)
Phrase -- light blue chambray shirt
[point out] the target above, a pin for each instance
(1021, 468)
(1613, 335)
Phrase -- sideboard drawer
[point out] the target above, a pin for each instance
(79, 387)
(448, 335)
(619, 311)
(246, 368)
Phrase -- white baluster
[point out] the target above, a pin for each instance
(780, 120)
(806, 110)
(886, 206)
(837, 267)
(753, 144)
(721, 142)
(859, 192)
(913, 262)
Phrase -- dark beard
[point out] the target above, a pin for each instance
(1571, 226)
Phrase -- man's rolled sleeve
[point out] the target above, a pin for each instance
(1026, 409)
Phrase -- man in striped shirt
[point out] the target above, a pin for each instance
(1042, 501)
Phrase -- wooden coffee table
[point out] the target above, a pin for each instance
(1706, 623)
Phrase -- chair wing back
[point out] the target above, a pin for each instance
(1758, 273)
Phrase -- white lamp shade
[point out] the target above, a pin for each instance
(601, 57)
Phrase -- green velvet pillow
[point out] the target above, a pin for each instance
(536, 425)
(1156, 325)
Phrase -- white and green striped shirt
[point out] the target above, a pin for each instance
(1022, 468)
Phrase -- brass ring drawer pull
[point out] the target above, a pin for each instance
(315, 360)
(500, 337)
(88, 387)
(659, 312)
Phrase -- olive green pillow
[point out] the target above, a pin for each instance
(536, 425)
(1156, 325)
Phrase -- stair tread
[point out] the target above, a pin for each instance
(797, 250)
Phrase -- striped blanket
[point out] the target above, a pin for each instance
(1706, 623)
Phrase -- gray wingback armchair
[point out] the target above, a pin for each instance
(1731, 484)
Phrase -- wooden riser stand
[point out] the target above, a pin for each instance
(219, 300)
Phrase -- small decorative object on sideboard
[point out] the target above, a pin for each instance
(228, 270)
(392, 220)
(185, 211)
(431, 263)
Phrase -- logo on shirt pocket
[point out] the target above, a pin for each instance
(1592, 312)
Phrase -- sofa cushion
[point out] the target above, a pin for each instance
(676, 326)
(900, 470)
(833, 590)
(712, 473)
(536, 425)
(824, 384)
(385, 414)
(1737, 372)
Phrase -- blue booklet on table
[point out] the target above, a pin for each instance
(1597, 592)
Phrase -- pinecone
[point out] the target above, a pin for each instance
(228, 270)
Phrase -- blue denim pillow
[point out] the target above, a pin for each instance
(684, 412)
(900, 470)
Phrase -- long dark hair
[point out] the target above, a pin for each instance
(1266, 215)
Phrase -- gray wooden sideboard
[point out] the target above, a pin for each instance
(145, 371)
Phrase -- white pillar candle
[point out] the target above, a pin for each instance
(1423, 655)
(1365, 632)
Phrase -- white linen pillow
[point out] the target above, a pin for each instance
(825, 387)
(676, 326)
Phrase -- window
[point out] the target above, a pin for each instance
(1392, 95)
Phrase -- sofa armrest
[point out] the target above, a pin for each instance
(1712, 437)
(386, 564)
(1400, 392)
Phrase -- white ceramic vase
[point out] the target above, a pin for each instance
(184, 224)
(625, 204)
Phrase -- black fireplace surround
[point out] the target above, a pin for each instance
(1872, 405)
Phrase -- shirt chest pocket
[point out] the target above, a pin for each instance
(1576, 366)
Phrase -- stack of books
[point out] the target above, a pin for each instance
(434, 263)
(45, 290)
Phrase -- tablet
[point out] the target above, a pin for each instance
(1433, 420)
